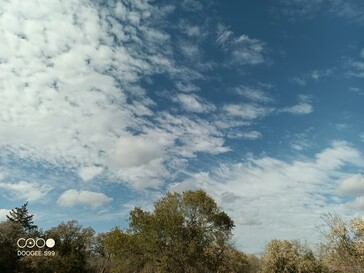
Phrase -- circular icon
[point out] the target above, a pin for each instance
(21, 243)
(50, 243)
(40, 242)
(30, 243)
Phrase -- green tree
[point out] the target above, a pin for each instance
(10, 232)
(73, 246)
(185, 232)
(22, 216)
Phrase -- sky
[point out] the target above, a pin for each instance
(108, 104)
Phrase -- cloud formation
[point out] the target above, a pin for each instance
(73, 197)
(353, 185)
(270, 198)
(242, 49)
(29, 191)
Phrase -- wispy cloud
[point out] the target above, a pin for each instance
(254, 94)
(353, 185)
(192, 103)
(241, 49)
(29, 191)
(88, 173)
(356, 69)
(246, 111)
(303, 106)
(269, 197)
(351, 10)
(314, 75)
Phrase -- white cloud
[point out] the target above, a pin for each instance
(299, 80)
(88, 173)
(191, 51)
(82, 82)
(245, 135)
(243, 50)
(316, 75)
(193, 103)
(353, 185)
(356, 69)
(357, 204)
(247, 111)
(3, 213)
(186, 87)
(352, 10)
(74, 197)
(303, 107)
(271, 198)
(300, 109)
(253, 94)
(29, 191)
(194, 135)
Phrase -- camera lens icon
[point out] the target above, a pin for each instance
(38, 242)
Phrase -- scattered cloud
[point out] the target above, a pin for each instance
(287, 197)
(351, 10)
(244, 135)
(242, 49)
(253, 94)
(300, 9)
(187, 87)
(356, 90)
(303, 107)
(193, 103)
(314, 75)
(84, 82)
(247, 111)
(299, 81)
(356, 69)
(73, 197)
(29, 191)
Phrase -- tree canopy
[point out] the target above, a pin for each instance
(185, 232)
(22, 216)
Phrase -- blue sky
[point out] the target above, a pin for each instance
(106, 105)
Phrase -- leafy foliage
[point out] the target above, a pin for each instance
(22, 216)
(10, 232)
(344, 247)
(282, 256)
(185, 233)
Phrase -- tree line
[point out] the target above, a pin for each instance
(185, 233)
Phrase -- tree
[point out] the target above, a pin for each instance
(22, 216)
(282, 256)
(10, 232)
(236, 262)
(344, 246)
(73, 245)
(184, 233)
